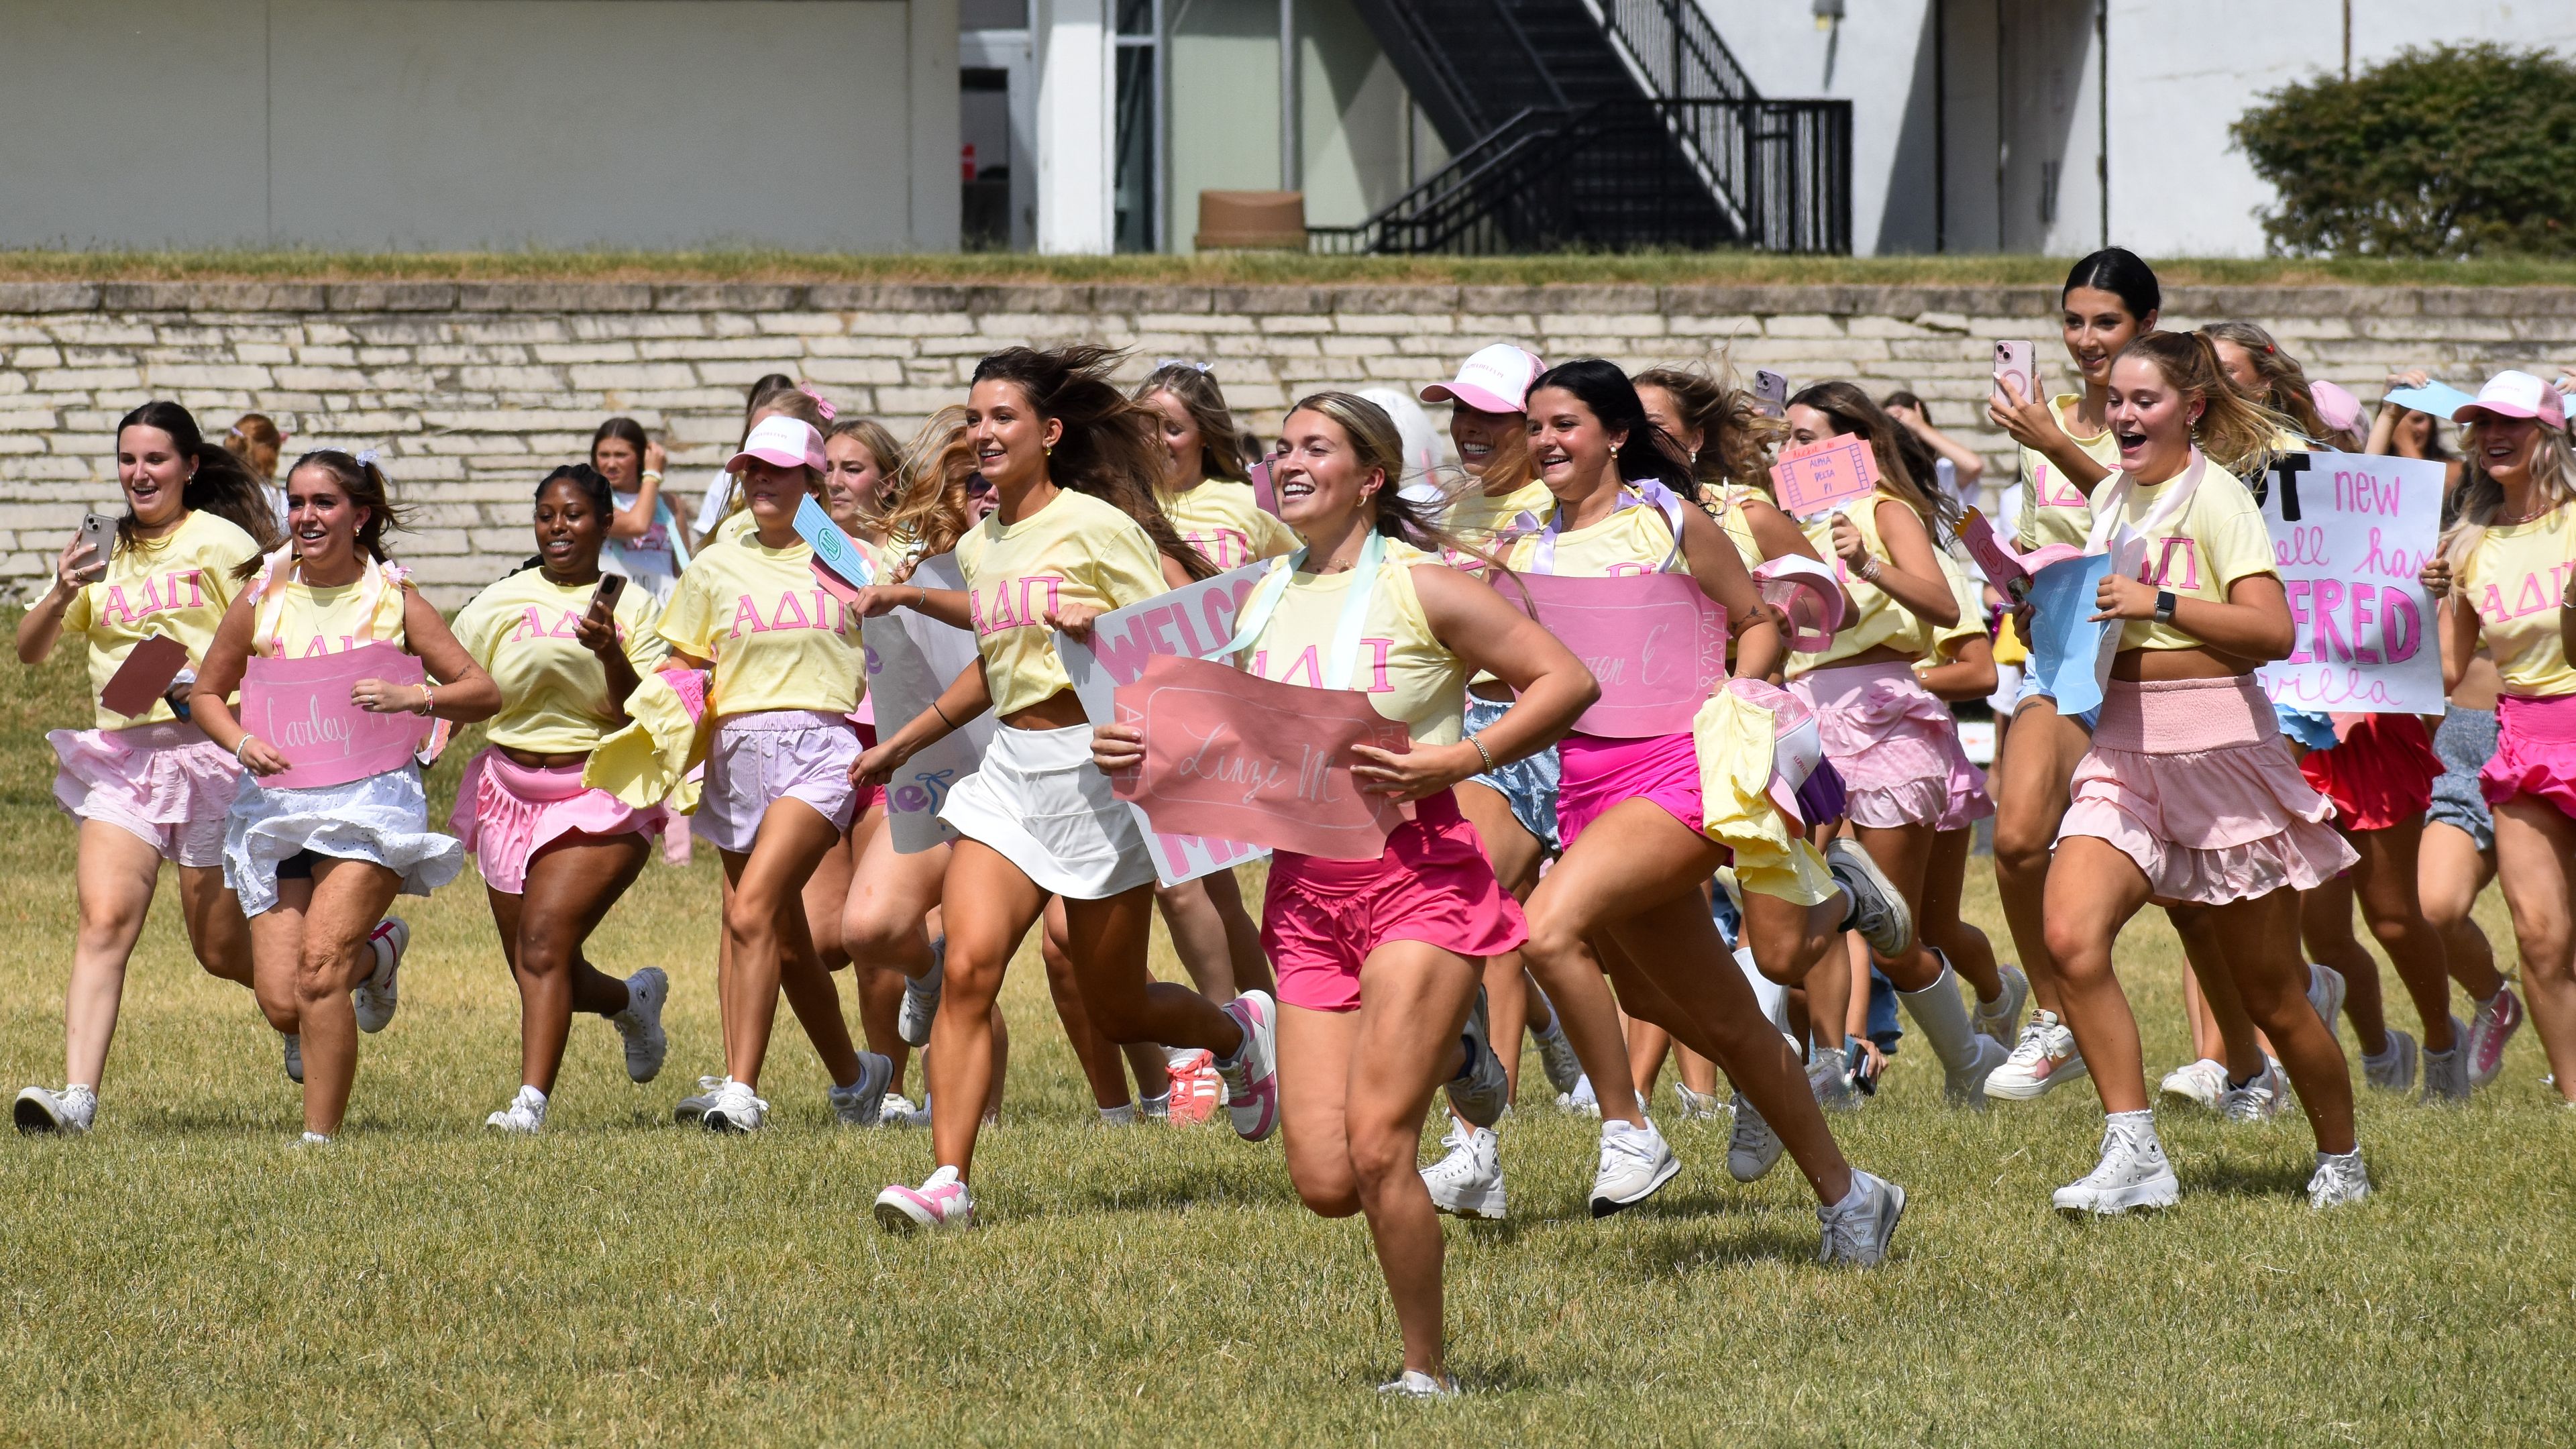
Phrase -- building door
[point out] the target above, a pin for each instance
(996, 127)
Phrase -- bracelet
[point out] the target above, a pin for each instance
(428, 697)
(1482, 753)
(943, 715)
(245, 744)
(649, 476)
(1869, 568)
(922, 600)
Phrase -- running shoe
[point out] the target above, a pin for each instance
(2043, 1060)
(694, 1109)
(640, 1024)
(1829, 1077)
(526, 1114)
(1467, 1182)
(2490, 1027)
(1556, 1054)
(314, 1139)
(1877, 911)
(1252, 1082)
(2133, 1173)
(1415, 1384)
(1197, 1089)
(2002, 1020)
(1857, 1228)
(940, 1203)
(376, 997)
(69, 1111)
(2325, 993)
(1752, 1147)
(1581, 1098)
(921, 999)
(294, 1056)
(735, 1108)
(1635, 1164)
(2203, 1082)
(1480, 1091)
(2393, 1070)
(2259, 1100)
(896, 1110)
(1697, 1107)
(2340, 1179)
(858, 1104)
(2446, 1074)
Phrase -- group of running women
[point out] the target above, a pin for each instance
(1618, 898)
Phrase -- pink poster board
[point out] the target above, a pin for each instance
(1656, 643)
(1238, 757)
(301, 707)
(1822, 477)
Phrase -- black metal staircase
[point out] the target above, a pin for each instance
(1600, 124)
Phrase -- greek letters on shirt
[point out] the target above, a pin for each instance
(2053, 491)
(1226, 548)
(2173, 562)
(171, 591)
(2531, 597)
(811, 609)
(1021, 603)
(532, 625)
(1308, 667)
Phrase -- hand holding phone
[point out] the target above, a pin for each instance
(2017, 362)
(596, 630)
(98, 532)
(1770, 392)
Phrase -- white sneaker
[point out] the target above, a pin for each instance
(2340, 1179)
(895, 1110)
(734, 1109)
(1858, 1227)
(694, 1109)
(314, 1139)
(69, 1111)
(2394, 1069)
(1252, 1083)
(938, 1204)
(1965, 1085)
(859, 1104)
(2490, 1027)
(921, 999)
(2133, 1173)
(2044, 1059)
(647, 991)
(1415, 1384)
(2203, 1082)
(1752, 1147)
(294, 1056)
(2325, 993)
(1581, 1098)
(1877, 911)
(1635, 1164)
(1829, 1078)
(2002, 1020)
(2446, 1074)
(376, 997)
(525, 1114)
(1468, 1181)
(1556, 1054)
(1698, 1108)
(2259, 1100)
(1480, 1091)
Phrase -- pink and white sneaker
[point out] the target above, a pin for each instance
(1197, 1089)
(376, 998)
(941, 1202)
(2490, 1027)
(1252, 1083)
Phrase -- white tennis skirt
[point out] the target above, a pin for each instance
(382, 819)
(1039, 800)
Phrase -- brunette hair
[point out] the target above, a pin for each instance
(766, 392)
(625, 430)
(1736, 439)
(1108, 448)
(222, 484)
(594, 487)
(255, 430)
(2122, 273)
(2236, 432)
(2284, 387)
(1906, 466)
(365, 485)
(1194, 388)
(1650, 452)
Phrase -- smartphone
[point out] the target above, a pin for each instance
(610, 586)
(98, 530)
(1864, 1069)
(1770, 392)
(2018, 361)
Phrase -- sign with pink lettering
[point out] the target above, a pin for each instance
(2350, 532)
(1192, 621)
(911, 658)
(1234, 755)
(1824, 476)
(1656, 643)
(302, 707)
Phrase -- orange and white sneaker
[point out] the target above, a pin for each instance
(2043, 1059)
(1197, 1090)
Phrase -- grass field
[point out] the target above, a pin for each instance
(182, 1276)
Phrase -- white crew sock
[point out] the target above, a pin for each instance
(1122, 1115)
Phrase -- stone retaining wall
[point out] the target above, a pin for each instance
(471, 391)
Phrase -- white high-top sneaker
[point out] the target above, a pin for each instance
(1468, 1181)
(2133, 1172)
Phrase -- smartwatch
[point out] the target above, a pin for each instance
(2164, 606)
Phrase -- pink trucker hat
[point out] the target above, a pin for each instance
(2516, 395)
(1495, 380)
(787, 442)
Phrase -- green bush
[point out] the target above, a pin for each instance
(2455, 151)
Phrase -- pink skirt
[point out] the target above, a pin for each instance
(2188, 778)
(2535, 751)
(1599, 773)
(1322, 918)
(166, 784)
(506, 812)
(1896, 747)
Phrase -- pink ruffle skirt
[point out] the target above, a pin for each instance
(165, 783)
(2535, 752)
(1895, 746)
(506, 812)
(2189, 778)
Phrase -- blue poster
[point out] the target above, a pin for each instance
(2070, 655)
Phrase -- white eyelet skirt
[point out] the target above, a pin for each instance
(1040, 802)
(382, 819)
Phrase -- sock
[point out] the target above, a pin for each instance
(1943, 1017)
(1122, 1115)
(1174, 1057)
(2139, 1125)
(1155, 1106)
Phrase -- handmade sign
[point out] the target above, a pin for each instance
(1809, 593)
(838, 564)
(2438, 398)
(911, 658)
(2008, 571)
(1236, 756)
(1191, 621)
(146, 675)
(1265, 494)
(302, 709)
(1654, 641)
(1823, 476)
(2350, 532)
(2070, 653)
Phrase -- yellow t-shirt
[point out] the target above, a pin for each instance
(1075, 550)
(1219, 519)
(1635, 539)
(554, 693)
(298, 621)
(735, 525)
(1726, 505)
(2054, 508)
(778, 638)
(1876, 618)
(178, 584)
(2515, 578)
(1409, 676)
(2219, 539)
(1479, 520)
(1947, 640)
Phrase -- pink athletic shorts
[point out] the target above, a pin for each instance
(1322, 918)
(2535, 751)
(1600, 772)
(506, 812)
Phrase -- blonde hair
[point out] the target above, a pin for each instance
(930, 503)
(788, 402)
(2236, 432)
(2284, 383)
(2480, 497)
(1377, 443)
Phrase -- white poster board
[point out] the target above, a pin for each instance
(912, 658)
(2350, 532)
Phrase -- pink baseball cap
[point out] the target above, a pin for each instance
(787, 442)
(2516, 395)
(1496, 380)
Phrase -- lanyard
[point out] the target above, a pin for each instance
(1266, 595)
(1648, 493)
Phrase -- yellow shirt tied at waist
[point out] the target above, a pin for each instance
(1221, 520)
(177, 585)
(778, 638)
(2054, 507)
(2203, 532)
(554, 691)
(2515, 578)
(1875, 618)
(1409, 675)
(1074, 550)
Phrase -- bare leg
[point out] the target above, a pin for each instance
(2534, 844)
(114, 879)
(2220, 1029)
(1940, 924)
(2325, 928)
(1098, 1056)
(570, 888)
(2450, 872)
(884, 928)
(2030, 784)
(324, 945)
(2260, 941)
(988, 906)
(764, 928)
(1242, 934)
(216, 930)
(2391, 864)
(2093, 890)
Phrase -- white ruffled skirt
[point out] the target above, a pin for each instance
(382, 819)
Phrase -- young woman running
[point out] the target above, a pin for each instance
(315, 868)
(2249, 358)
(146, 787)
(2187, 797)
(555, 855)
(646, 540)
(1380, 962)
(2508, 563)
(773, 394)
(1076, 535)
(1643, 836)
(788, 671)
(1895, 746)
